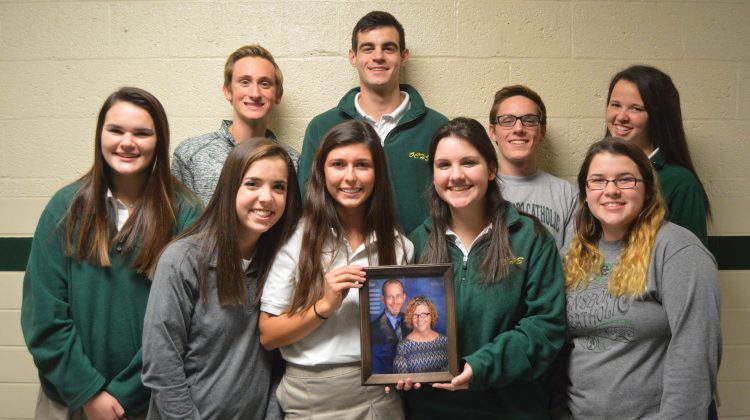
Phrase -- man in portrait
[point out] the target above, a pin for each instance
(388, 328)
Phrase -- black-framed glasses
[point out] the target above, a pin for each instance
(509, 120)
(422, 315)
(621, 183)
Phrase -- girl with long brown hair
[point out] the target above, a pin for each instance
(643, 106)
(643, 299)
(201, 354)
(309, 309)
(94, 249)
(510, 311)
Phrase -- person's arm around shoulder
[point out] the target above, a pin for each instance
(166, 332)
(690, 294)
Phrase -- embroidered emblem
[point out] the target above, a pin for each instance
(418, 155)
(514, 261)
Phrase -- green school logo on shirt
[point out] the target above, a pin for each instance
(514, 261)
(419, 155)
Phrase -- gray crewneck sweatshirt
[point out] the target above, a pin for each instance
(654, 357)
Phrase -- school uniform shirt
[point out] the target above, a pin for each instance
(338, 339)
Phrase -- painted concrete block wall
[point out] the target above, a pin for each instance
(60, 59)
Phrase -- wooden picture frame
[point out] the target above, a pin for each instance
(411, 358)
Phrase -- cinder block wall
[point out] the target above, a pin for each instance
(60, 59)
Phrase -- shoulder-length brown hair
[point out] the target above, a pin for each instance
(217, 227)
(90, 223)
(322, 223)
(583, 260)
(436, 251)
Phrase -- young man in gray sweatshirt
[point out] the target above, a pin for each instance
(253, 85)
(518, 125)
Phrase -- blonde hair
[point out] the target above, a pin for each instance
(411, 307)
(584, 260)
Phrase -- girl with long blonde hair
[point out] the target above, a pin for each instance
(642, 297)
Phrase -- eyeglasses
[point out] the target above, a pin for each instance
(421, 316)
(528, 120)
(621, 183)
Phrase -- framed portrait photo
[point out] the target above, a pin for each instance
(408, 324)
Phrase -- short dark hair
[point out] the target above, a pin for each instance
(518, 90)
(378, 19)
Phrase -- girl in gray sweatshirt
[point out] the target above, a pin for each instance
(201, 354)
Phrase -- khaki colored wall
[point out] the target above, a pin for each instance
(60, 59)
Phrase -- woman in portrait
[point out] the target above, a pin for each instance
(201, 354)
(309, 309)
(643, 106)
(94, 251)
(424, 349)
(643, 298)
(510, 310)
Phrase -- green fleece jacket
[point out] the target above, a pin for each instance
(83, 323)
(686, 204)
(406, 148)
(509, 333)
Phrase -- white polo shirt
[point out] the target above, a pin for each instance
(337, 340)
(387, 121)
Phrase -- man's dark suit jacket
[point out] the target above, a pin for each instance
(384, 342)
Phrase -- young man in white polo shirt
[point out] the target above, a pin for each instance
(396, 111)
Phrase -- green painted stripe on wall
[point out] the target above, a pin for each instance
(731, 252)
(14, 252)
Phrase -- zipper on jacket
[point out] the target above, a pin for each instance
(464, 265)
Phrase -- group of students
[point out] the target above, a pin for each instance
(139, 303)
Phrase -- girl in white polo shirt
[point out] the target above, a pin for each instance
(308, 309)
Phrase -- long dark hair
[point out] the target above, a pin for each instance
(498, 252)
(216, 228)
(322, 222)
(662, 102)
(90, 228)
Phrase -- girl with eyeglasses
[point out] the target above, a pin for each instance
(643, 106)
(310, 301)
(643, 299)
(94, 252)
(201, 353)
(508, 283)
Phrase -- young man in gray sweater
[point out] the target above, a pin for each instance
(253, 85)
(518, 125)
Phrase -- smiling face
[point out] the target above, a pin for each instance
(461, 175)
(128, 141)
(615, 208)
(518, 144)
(627, 117)
(378, 59)
(253, 91)
(393, 298)
(422, 319)
(350, 176)
(261, 199)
